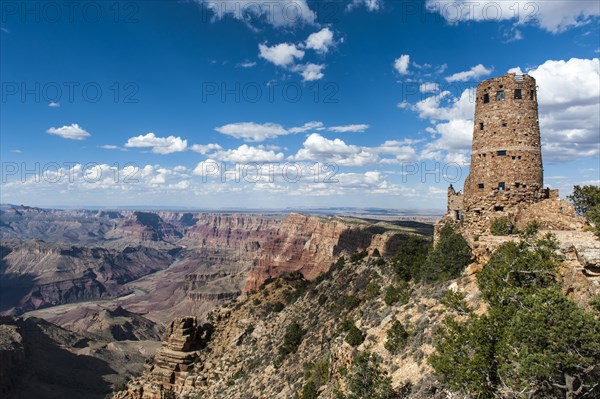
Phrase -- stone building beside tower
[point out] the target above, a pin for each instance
(506, 175)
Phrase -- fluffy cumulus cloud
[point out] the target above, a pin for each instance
(278, 13)
(283, 54)
(402, 63)
(569, 113)
(474, 73)
(320, 41)
(71, 132)
(569, 107)
(451, 127)
(205, 148)
(159, 145)
(245, 154)
(251, 131)
(401, 150)
(554, 16)
(310, 72)
(319, 148)
(287, 55)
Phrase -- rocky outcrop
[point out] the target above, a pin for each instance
(172, 366)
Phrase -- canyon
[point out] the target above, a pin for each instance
(105, 284)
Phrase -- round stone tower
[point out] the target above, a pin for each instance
(506, 170)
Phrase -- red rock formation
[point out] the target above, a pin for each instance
(310, 244)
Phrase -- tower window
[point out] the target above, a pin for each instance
(481, 186)
(499, 208)
(500, 95)
(531, 95)
(504, 124)
(480, 125)
(518, 94)
(501, 153)
(486, 98)
(501, 186)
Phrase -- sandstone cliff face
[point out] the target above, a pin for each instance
(309, 244)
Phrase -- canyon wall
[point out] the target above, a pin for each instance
(189, 261)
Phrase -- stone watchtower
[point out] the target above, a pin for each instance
(506, 172)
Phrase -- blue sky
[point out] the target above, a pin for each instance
(125, 103)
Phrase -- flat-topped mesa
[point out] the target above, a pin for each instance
(506, 171)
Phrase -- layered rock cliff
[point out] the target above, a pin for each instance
(52, 257)
(309, 244)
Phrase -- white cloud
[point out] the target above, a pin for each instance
(402, 150)
(318, 148)
(569, 113)
(111, 147)
(429, 87)
(401, 64)
(247, 64)
(245, 153)
(371, 5)
(283, 54)
(205, 148)
(445, 107)
(310, 72)
(160, 145)
(54, 104)
(207, 168)
(72, 132)
(451, 119)
(252, 132)
(257, 132)
(454, 135)
(314, 125)
(279, 13)
(569, 108)
(320, 41)
(349, 128)
(472, 74)
(554, 16)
